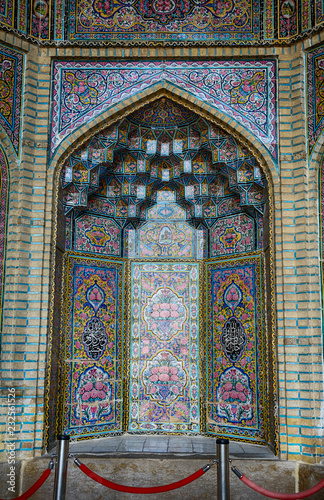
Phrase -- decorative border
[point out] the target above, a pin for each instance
(4, 184)
(313, 57)
(319, 11)
(266, 20)
(13, 129)
(321, 231)
(118, 81)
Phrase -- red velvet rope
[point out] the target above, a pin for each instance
(283, 496)
(35, 486)
(133, 489)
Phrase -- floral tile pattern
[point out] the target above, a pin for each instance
(288, 18)
(11, 78)
(319, 11)
(167, 20)
(242, 90)
(164, 350)
(315, 97)
(7, 12)
(236, 395)
(231, 235)
(97, 235)
(93, 347)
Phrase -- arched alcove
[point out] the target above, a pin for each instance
(163, 212)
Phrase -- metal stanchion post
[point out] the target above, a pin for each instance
(223, 484)
(61, 467)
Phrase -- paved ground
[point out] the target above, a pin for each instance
(149, 445)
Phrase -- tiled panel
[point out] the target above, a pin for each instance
(11, 82)
(231, 235)
(7, 9)
(166, 239)
(150, 21)
(164, 349)
(235, 338)
(95, 234)
(315, 95)
(93, 347)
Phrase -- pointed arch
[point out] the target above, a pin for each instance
(117, 113)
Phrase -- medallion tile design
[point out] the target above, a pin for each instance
(231, 235)
(315, 98)
(235, 349)
(165, 314)
(93, 347)
(167, 20)
(164, 351)
(242, 90)
(98, 235)
(11, 77)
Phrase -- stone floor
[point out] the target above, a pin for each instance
(182, 446)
